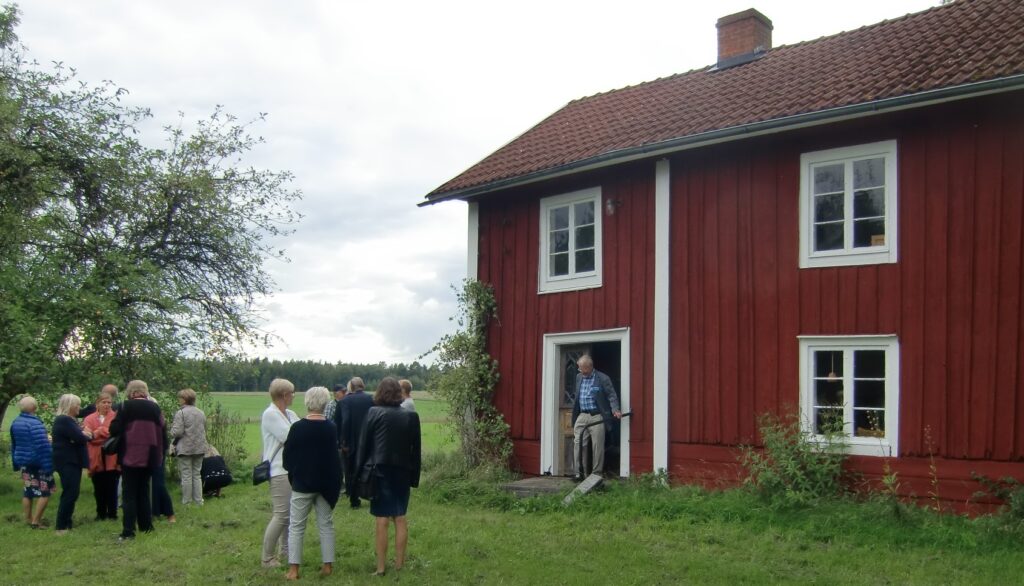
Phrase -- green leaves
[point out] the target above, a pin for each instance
(791, 469)
(468, 377)
(117, 258)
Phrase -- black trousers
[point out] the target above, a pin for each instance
(70, 486)
(135, 498)
(104, 487)
(350, 478)
(162, 505)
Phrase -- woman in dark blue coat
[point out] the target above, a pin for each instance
(31, 454)
(70, 456)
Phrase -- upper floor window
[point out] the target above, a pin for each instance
(848, 206)
(570, 247)
(851, 383)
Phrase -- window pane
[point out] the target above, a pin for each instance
(585, 237)
(828, 419)
(869, 203)
(559, 218)
(869, 393)
(828, 178)
(559, 264)
(868, 233)
(585, 261)
(828, 361)
(869, 364)
(559, 241)
(828, 393)
(828, 237)
(869, 173)
(584, 213)
(869, 423)
(828, 208)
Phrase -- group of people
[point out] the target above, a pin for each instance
(120, 444)
(353, 439)
(349, 439)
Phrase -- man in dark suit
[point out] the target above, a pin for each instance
(596, 403)
(353, 410)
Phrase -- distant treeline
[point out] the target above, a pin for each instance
(256, 374)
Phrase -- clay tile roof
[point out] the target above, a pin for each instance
(965, 42)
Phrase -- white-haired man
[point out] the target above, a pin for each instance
(596, 404)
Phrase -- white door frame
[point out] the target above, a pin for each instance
(549, 460)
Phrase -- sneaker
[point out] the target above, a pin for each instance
(271, 564)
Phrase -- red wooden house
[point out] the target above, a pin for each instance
(833, 227)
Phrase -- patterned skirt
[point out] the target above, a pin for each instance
(37, 484)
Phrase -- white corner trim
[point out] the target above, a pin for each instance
(662, 302)
(549, 461)
(473, 241)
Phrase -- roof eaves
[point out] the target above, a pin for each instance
(875, 107)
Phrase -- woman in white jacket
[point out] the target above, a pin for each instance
(277, 421)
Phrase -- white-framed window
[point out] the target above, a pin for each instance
(570, 241)
(855, 380)
(848, 206)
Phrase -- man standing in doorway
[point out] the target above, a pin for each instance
(353, 412)
(596, 404)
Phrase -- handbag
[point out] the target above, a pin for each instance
(261, 472)
(368, 482)
(111, 444)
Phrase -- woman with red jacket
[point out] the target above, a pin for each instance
(103, 468)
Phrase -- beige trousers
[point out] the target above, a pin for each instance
(593, 440)
(276, 535)
(189, 468)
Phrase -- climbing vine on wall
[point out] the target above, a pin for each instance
(469, 376)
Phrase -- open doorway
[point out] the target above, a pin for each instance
(610, 351)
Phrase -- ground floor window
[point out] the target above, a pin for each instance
(851, 384)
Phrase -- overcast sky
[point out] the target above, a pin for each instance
(373, 104)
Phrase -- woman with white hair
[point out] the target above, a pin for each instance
(70, 456)
(31, 454)
(314, 470)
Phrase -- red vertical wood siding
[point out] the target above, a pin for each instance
(509, 239)
(738, 302)
(954, 298)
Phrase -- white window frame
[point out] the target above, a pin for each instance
(574, 280)
(848, 256)
(861, 446)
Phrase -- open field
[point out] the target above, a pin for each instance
(250, 407)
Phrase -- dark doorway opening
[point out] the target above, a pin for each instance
(608, 359)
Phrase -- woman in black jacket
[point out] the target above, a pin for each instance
(390, 448)
(69, 457)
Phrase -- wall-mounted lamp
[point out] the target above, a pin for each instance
(610, 205)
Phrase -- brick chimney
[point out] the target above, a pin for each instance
(743, 37)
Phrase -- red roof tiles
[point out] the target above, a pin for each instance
(964, 42)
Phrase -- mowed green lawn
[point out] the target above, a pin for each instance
(250, 407)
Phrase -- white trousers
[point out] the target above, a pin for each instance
(302, 502)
